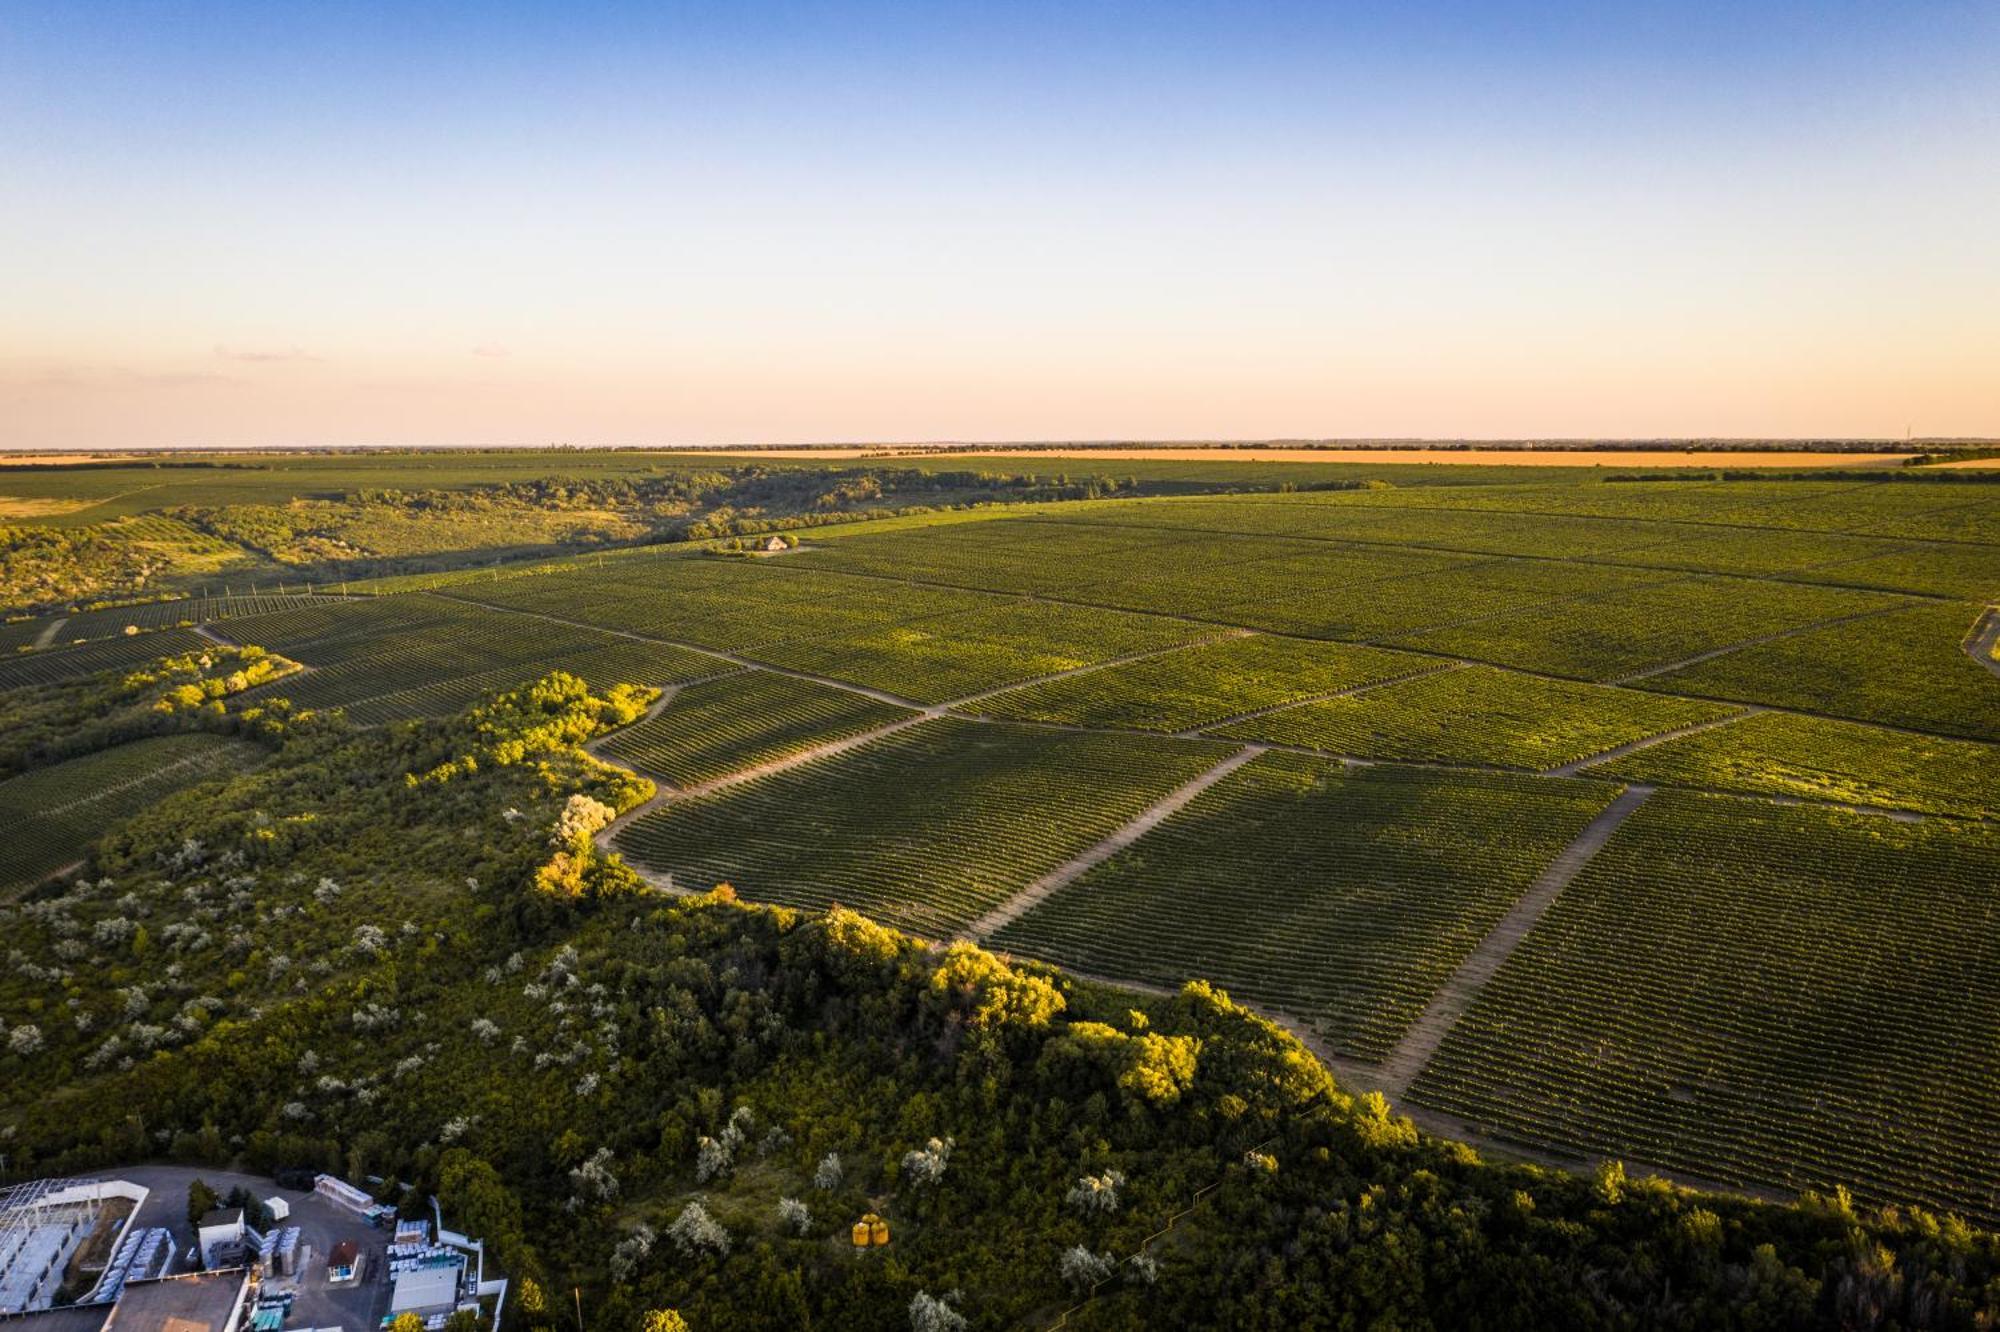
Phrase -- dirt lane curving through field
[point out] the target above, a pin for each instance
(1073, 869)
(1424, 1036)
(151, 774)
(1352, 760)
(1355, 1078)
(1202, 732)
(1576, 766)
(48, 635)
(1985, 637)
(1092, 667)
(1760, 641)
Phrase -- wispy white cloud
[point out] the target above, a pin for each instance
(264, 354)
(98, 377)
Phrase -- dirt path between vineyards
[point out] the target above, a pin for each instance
(1356, 1078)
(1575, 766)
(1073, 869)
(1207, 729)
(1424, 1035)
(1985, 635)
(1725, 650)
(660, 789)
(48, 635)
(919, 712)
(126, 785)
(929, 710)
(1095, 666)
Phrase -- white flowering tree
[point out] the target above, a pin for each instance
(933, 1313)
(1082, 1269)
(631, 1251)
(697, 1234)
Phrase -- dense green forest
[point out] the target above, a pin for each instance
(397, 951)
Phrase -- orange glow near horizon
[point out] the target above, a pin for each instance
(671, 225)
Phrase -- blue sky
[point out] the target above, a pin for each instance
(269, 223)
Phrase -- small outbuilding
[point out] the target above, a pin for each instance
(344, 1263)
(220, 1227)
(776, 544)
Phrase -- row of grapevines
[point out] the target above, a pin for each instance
(114, 621)
(1759, 994)
(737, 721)
(1811, 758)
(1478, 715)
(53, 814)
(1343, 896)
(926, 828)
(1205, 684)
(52, 666)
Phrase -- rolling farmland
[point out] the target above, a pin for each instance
(738, 721)
(1343, 897)
(925, 829)
(1498, 655)
(1203, 685)
(54, 814)
(1759, 994)
(1478, 715)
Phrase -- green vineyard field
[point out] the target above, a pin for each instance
(1203, 685)
(737, 721)
(1478, 715)
(1904, 669)
(1343, 897)
(54, 665)
(1811, 758)
(53, 815)
(954, 656)
(1761, 995)
(926, 828)
(1606, 638)
(392, 658)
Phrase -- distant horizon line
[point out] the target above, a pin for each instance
(1660, 443)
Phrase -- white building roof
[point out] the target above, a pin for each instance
(425, 1288)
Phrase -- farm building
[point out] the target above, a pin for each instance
(48, 1225)
(426, 1291)
(344, 1263)
(776, 544)
(220, 1228)
(204, 1302)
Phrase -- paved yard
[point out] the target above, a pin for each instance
(357, 1305)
